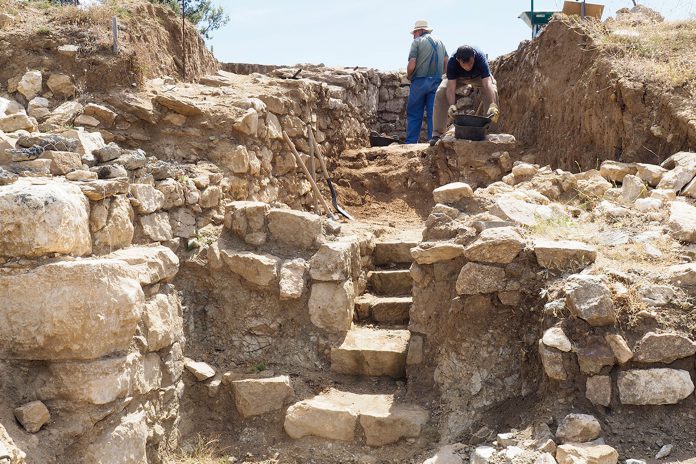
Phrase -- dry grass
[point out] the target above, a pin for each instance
(663, 53)
(202, 451)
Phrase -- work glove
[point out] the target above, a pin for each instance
(451, 111)
(493, 113)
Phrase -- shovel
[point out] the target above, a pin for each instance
(334, 201)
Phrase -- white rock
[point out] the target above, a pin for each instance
(654, 386)
(564, 254)
(259, 269)
(682, 221)
(665, 451)
(254, 397)
(451, 193)
(294, 228)
(435, 253)
(150, 264)
(32, 416)
(588, 453)
(156, 227)
(495, 245)
(331, 305)
(648, 204)
(556, 338)
(123, 443)
(332, 262)
(651, 174)
(292, 282)
(200, 370)
(163, 321)
(632, 187)
(482, 455)
(30, 84)
(249, 123)
(578, 428)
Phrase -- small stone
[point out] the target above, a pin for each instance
(594, 355)
(552, 360)
(292, 282)
(30, 84)
(586, 453)
(632, 188)
(32, 416)
(651, 174)
(682, 221)
(615, 171)
(427, 253)
(589, 299)
(200, 370)
(61, 85)
(619, 347)
(598, 389)
(495, 245)
(452, 193)
(254, 397)
(663, 348)
(482, 455)
(556, 338)
(259, 269)
(654, 386)
(665, 451)
(564, 254)
(648, 204)
(478, 278)
(85, 120)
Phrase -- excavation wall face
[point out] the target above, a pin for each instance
(560, 95)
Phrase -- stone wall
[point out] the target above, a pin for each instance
(250, 68)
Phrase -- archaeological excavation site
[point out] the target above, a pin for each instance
(212, 263)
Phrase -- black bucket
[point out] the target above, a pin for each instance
(470, 127)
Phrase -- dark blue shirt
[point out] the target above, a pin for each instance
(480, 69)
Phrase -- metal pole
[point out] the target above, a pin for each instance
(531, 12)
(582, 9)
(183, 35)
(114, 34)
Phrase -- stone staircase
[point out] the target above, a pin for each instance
(377, 346)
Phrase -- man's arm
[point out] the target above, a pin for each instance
(411, 68)
(489, 92)
(444, 65)
(451, 92)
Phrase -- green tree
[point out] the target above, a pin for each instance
(206, 17)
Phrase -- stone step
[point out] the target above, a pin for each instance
(390, 283)
(373, 352)
(393, 252)
(383, 309)
(334, 415)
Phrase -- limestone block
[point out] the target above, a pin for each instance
(173, 193)
(479, 278)
(191, 193)
(651, 174)
(578, 428)
(173, 363)
(125, 442)
(632, 188)
(259, 269)
(118, 230)
(102, 113)
(332, 262)
(178, 105)
(482, 455)
(294, 228)
(163, 321)
(156, 227)
(16, 122)
(495, 245)
(598, 389)
(107, 153)
(552, 360)
(97, 190)
(65, 114)
(238, 160)
(564, 254)
(648, 204)
(682, 221)
(249, 123)
(145, 198)
(30, 84)
(663, 348)
(246, 217)
(594, 355)
(292, 281)
(556, 338)
(319, 417)
(400, 421)
(42, 318)
(183, 222)
(654, 386)
(38, 108)
(274, 129)
(586, 453)
(331, 305)
(677, 178)
(63, 162)
(589, 299)
(619, 347)
(515, 210)
(429, 253)
(615, 171)
(32, 416)
(61, 85)
(81, 175)
(146, 374)
(42, 218)
(254, 397)
(110, 171)
(96, 382)
(451, 193)
(149, 264)
(200, 370)
(210, 197)
(132, 160)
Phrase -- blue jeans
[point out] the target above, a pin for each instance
(420, 97)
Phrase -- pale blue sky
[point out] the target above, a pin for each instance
(375, 33)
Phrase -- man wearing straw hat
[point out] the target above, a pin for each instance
(468, 66)
(427, 61)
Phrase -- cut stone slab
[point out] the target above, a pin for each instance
(589, 299)
(654, 386)
(372, 352)
(292, 278)
(393, 252)
(69, 310)
(259, 269)
(254, 397)
(97, 190)
(619, 347)
(335, 414)
(163, 321)
(564, 255)
(452, 193)
(294, 228)
(495, 245)
(150, 264)
(682, 221)
(178, 105)
(615, 171)
(156, 226)
(200, 370)
(663, 348)
(331, 305)
(332, 262)
(392, 283)
(598, 390)
(389, 309)
(515, 210)
(436, 253)
(43, 218)
(578, 428)
(556, 338)
(586, 453)
(32, 416)
(477, 278)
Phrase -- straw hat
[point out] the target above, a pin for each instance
(421, 24)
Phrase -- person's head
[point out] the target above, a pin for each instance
(420, 28)
(465, 56)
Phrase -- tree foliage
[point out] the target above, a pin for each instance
(206, 17)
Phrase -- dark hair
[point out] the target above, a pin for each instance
(465, 52)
